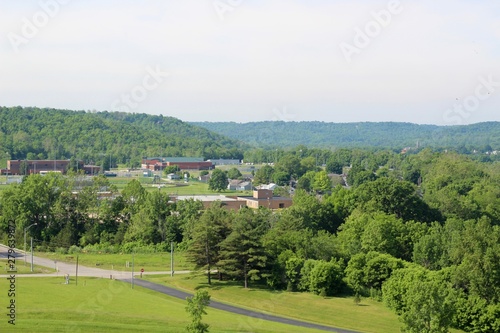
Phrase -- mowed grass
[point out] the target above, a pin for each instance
(156, 262)
(24, 269)
(369, 316)
(192, 187)
(98, 305)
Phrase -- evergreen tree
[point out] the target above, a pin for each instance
(207, 234)
(242, 252)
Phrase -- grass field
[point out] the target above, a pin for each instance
(369, 316)
(97, 305)
(24, 269)
(193, 187)
(150, 262)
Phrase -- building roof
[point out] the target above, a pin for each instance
(270, 186)
(177, 159)
(266, 199)
(207, 197)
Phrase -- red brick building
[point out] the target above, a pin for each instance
(18, 167)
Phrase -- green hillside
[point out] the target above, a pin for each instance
(96, 136)
(384, 134)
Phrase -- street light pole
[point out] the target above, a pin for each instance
(26, 229)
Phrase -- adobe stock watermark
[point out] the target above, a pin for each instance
(463, 110)
(371, 30)
(96, 305)
(279, 116)
(129, 101)
(31, 27)
(222, 7)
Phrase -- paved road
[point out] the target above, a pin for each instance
(65, 268)
(233, 309)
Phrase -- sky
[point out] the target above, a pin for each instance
(425, 62)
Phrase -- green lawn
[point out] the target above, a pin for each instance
(150, 262)
(24, 269)
(369, 316)
(192, 187)
(98, 305)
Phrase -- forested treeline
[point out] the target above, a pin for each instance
(34, 133)
(420, 232)
(466, 138)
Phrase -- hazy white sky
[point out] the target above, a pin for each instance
(423, 61)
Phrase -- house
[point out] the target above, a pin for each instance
(204, 178)
(239, 185)
(173, 176)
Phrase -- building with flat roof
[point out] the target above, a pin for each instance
(184, 163)
(228, 202)
(222, 161)
(28, 167)
(260, 198)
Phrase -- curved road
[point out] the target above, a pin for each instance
(233, 309)
(64, 268)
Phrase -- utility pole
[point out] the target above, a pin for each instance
(171, 258)
(26, 229)
(31, 254)
(132, 270)
(76, 275)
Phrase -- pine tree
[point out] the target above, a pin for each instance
(242, 253)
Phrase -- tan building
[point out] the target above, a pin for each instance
(266, 198)
(260, 198)
(230, 203)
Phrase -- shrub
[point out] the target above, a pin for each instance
(74, 249)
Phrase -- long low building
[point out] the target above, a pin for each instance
(260, 198)
(184, 163)
(28, 167)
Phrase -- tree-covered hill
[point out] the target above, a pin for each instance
(36, 133)
(365, 134)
